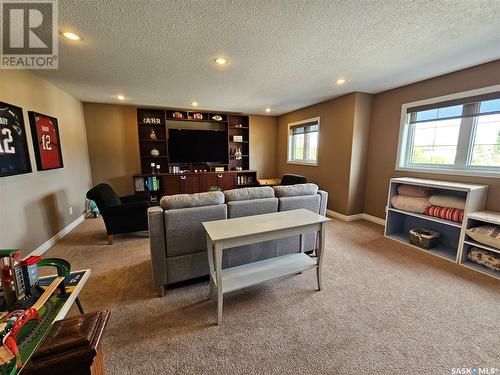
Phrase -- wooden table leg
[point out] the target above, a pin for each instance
(218, 273)
(210, 253)
(319, 254)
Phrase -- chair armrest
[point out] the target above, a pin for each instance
(143, 196)
(157, 245)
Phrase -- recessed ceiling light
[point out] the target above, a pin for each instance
(221, 60)
(268, 109)
(340, 81)
(120, 97)
(71, 36)
(194, 104)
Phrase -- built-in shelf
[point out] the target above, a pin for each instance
(479, 268)
(153, 157)
(153, 140)
(193, 120)
(427, 217)
(238, 127)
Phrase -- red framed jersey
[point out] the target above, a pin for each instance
(46, 141)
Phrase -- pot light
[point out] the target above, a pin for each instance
(194, 104)
(268, 109)
(221, 60)
(71, 36)
(340, 81)
(120, 97)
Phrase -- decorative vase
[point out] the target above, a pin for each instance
(154, 152)
(237, 154)
(152, 135)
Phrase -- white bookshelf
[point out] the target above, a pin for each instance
(454, 243)
(475, 219)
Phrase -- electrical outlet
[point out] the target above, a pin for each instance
(70, 210)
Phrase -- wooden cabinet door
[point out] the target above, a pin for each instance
(172, 185)
(207, 180)
(190, 183)
(226, 180)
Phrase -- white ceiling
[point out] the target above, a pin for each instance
(285, 54)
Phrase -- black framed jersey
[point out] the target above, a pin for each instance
(14, 154)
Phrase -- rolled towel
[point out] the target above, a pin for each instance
(414, 190)
(447, 201)
(452, 214)
(412, 204)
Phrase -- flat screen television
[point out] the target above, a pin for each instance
(197, 146)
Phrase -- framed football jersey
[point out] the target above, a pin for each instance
(46, 141)
(14, 154)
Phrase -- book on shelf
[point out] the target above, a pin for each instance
(139, 184)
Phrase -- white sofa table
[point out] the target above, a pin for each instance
(224, 234)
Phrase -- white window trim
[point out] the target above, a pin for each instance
(439, 169)
(298, 162)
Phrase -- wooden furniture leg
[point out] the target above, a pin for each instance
(218, 273)
(319, 255)
(161, 291)
(110, 239)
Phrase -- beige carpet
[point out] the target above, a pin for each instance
(386, 309)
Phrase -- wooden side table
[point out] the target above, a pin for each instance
(72, 346)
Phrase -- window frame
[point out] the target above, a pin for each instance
(290, 160)
(405, 141)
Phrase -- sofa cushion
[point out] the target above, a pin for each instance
(295, 190)
(245, 194)
(253, 207)
(209, 198)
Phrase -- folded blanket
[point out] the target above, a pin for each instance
(412, 204)
(414, 190)
(485, 258)
(453, 214)
(447, 201)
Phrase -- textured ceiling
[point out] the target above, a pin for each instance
(285, 54)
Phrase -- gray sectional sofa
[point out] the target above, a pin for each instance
(178, 240)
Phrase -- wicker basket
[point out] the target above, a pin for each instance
(424, 238)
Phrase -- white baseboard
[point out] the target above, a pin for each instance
(343, 217)
(362, 216)
(51, 241)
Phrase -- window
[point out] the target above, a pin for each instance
(460, 135)
(303, 142)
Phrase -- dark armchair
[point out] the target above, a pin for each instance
(121, 215)
(292, 179)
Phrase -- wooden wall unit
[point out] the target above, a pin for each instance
(193, 177)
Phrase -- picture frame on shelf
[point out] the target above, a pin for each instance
(46, 141)
(14, 153)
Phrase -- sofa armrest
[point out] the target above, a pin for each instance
(323, 202)
(143, 196)
(157, 245)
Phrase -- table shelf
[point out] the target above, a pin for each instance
(257, 272)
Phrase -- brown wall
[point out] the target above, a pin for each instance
(337, 129)
(384, 132)
(263, 139)
(114, 146)
(35, 206)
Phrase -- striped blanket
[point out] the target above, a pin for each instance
(453, 214)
